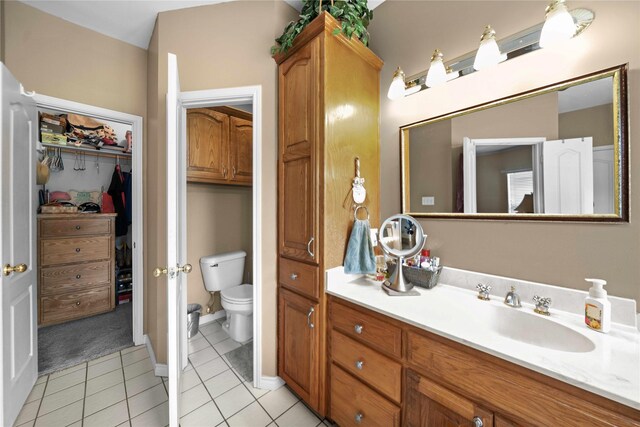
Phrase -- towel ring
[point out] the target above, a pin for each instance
(355, 212)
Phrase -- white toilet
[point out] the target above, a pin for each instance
(223, 272)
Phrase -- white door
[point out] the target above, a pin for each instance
(19, 354)
(568, 176)
(176, 240)
(603, 180)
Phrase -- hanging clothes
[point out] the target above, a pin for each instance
(127, 196)
(116, 191)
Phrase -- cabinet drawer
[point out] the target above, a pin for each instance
(60, 308)
(379, 371)
(355, 404)
(74, 227)
(368, 329)
(64, 251)
(299, 276)
(74, 277)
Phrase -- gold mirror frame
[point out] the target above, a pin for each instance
(621, 152)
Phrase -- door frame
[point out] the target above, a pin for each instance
(238, 96)
(137, 226)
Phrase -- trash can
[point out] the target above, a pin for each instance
(193, 319)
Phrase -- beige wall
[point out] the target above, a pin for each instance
(596, 122)
(491, 174)
(218, 220)
(219, 46)
(557, 253)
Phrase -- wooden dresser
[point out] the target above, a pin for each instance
(76, 254)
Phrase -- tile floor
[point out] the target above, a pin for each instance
(121, 389)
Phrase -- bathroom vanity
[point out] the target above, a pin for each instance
(446, 358)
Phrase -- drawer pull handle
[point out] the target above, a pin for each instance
(77, 302)
(77, 249)
(477, 422)
(309, 323)
(293, 276)
(358, 418)
(78, 276)
(311, 254)
(359, 364)
(78, 227)
(358, 329)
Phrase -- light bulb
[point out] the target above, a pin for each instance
(396, 89)
(437, 74)
(558, 24)
(488, 53)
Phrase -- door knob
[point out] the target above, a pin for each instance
(159, 271)
(186, 269)
(20, 268)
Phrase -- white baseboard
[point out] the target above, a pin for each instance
(159, 369)
(213, 316)
(270, 383)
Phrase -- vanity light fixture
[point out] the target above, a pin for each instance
(488, 53)
(521, 43)
(558, 24)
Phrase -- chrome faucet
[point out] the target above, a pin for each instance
(542, 305)
(483, 291)
(512, 299)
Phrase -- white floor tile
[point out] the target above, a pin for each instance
(233, 401)
(134, 356)
(129, 349)
(211, 369)
(76, 424)
(210, 328)
(205, 416)
(146, 400)
(257, 392)
(251, 416)
(157, 416)
(104, 367)
(190, 379)
(141, 383)
(109, 417)
(36, 392)
(198, 345)
(298, 416)
(193, 399)
(137, 368)
(28, 412)
(57, 384)
(104, 358)
(67, 371)
(203, 356)
(62, 398)
(216, 337)
(226, 346)
(42, 379)
(221, 383)
(104, 399)
(61, 417)
(196, 337)
(105, 381)
(278, 401)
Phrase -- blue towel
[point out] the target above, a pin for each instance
(360, 258)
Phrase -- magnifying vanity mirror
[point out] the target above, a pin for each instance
(400, 237)
(553, 153)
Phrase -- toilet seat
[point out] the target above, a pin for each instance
(238, 294)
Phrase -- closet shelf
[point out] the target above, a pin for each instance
(93, 151)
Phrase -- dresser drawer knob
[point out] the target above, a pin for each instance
(358, 418)
(293, 276)
(77, 302)
(78, 227)
(358, 329)
(77, 249)
(477, 422)
(78, 276)
(359, 364)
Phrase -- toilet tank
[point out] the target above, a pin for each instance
(222, 271)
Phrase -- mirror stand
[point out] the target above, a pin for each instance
(397, 282)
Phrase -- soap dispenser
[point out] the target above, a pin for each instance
(597, 308)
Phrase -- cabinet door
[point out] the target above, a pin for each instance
(298, 168)
(241, 149)
(298, 346)
(208, 141)
(431, 405)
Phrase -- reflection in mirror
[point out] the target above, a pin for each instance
(554, 153)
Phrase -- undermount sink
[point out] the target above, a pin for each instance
(534, 329)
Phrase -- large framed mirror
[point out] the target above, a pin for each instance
(556, 153)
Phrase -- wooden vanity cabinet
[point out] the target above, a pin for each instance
(220, 146)
(326, 119)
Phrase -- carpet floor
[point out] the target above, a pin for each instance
(241, 360)
(71, 343)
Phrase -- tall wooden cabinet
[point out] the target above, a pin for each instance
(329, 88)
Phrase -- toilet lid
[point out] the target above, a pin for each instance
(241, 293)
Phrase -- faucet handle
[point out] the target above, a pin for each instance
(483, 291)
(542, 305)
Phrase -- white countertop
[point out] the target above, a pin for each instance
(611, 369)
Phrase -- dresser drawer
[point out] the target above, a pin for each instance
(299, 276)
(66, 251)
(355, 404)
(74, 305)
(74, 227)
(74, 277)
(381, 372)
(368, 329)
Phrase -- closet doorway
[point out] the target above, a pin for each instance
(90, 276)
